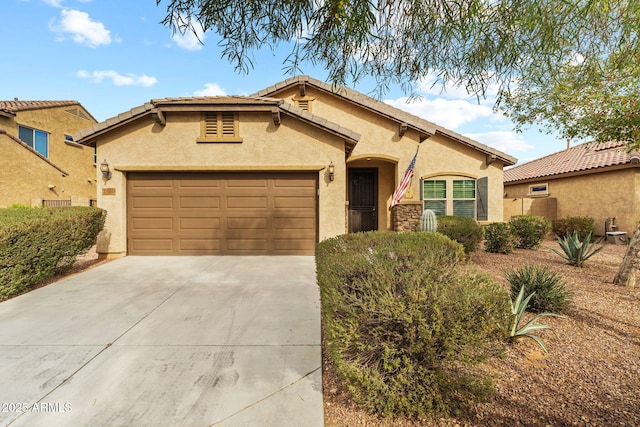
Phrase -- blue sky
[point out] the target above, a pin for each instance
(113, 55)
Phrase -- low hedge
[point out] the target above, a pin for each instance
(566, 226)
(463, 230)
(36, 243)
(530, 230)
(499, 238)
(404, 323)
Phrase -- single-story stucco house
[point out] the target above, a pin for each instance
(601, 181)
(278, 171)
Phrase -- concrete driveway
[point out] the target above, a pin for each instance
(166, 341)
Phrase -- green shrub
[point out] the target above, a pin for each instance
(566, 226)
(499, 238)
(549, 291)
(465, 231)
(37, 243)
(530, 230)
(403, 323)
(577, 251)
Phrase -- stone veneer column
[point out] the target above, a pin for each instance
(406, 215)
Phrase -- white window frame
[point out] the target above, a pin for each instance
(33, 139)
(538, 190)
(449, 199)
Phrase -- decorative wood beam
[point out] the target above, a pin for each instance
(403, 128)
(491, 158)
(159, 117)
(303, 88)
(275, 115)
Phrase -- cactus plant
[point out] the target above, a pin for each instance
(428, 221)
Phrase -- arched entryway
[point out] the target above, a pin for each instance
(370, 184)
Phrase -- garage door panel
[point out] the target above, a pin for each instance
(221, 213)
(152, 244)
(198, 245)
(238, 183)
(199, 223)
(153, 202)
(144, 223)
(295, 224)
(199, 202)
(149, 183)
(247, 245)
(198, 182)
(288, 202)
(249, 223)
(247, 202)
(283, 180)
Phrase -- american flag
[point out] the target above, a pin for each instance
(404, 184)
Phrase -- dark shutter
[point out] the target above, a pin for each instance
(482, 198)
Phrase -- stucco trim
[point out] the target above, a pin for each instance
(425, 127)
(391, 159)
(449, 173)
(224, 103)
(221, 168)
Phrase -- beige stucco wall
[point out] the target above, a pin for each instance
(598, 195)
(23, 179)
(25, 176)
(293, 145)
(381, 143)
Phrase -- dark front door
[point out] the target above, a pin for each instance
(363, 200)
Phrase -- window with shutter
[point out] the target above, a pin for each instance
(219, 127)
(450, 195)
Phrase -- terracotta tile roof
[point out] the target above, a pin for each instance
(19, 142)
(387, 110)
(580, 158)
(166, 104)
(19, 105)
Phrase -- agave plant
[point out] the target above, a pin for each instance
(517, 332)
(576, 251)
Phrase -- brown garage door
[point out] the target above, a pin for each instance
(221, 213)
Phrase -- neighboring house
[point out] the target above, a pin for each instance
(39, 159)
(597, 180)
(278, 171)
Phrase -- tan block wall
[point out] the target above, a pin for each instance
(543, 206)
(293, 145)
(600, 195)
(25, 180)
(380, 141)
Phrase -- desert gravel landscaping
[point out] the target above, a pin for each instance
(591, 376)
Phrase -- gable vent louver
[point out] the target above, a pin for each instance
(303, 104)
(228, 124)
(211, 124)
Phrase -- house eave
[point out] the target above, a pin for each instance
(582, 172)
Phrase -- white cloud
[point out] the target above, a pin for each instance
(117, 78)
(190, 40)
(54, 3)
(429, 86)
(448, 113)
(82, 28)
(505, 141)
(210, 89)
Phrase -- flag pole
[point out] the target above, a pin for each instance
(405, 182)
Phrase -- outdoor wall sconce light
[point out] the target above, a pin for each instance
(104, 168)
(332, 170)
